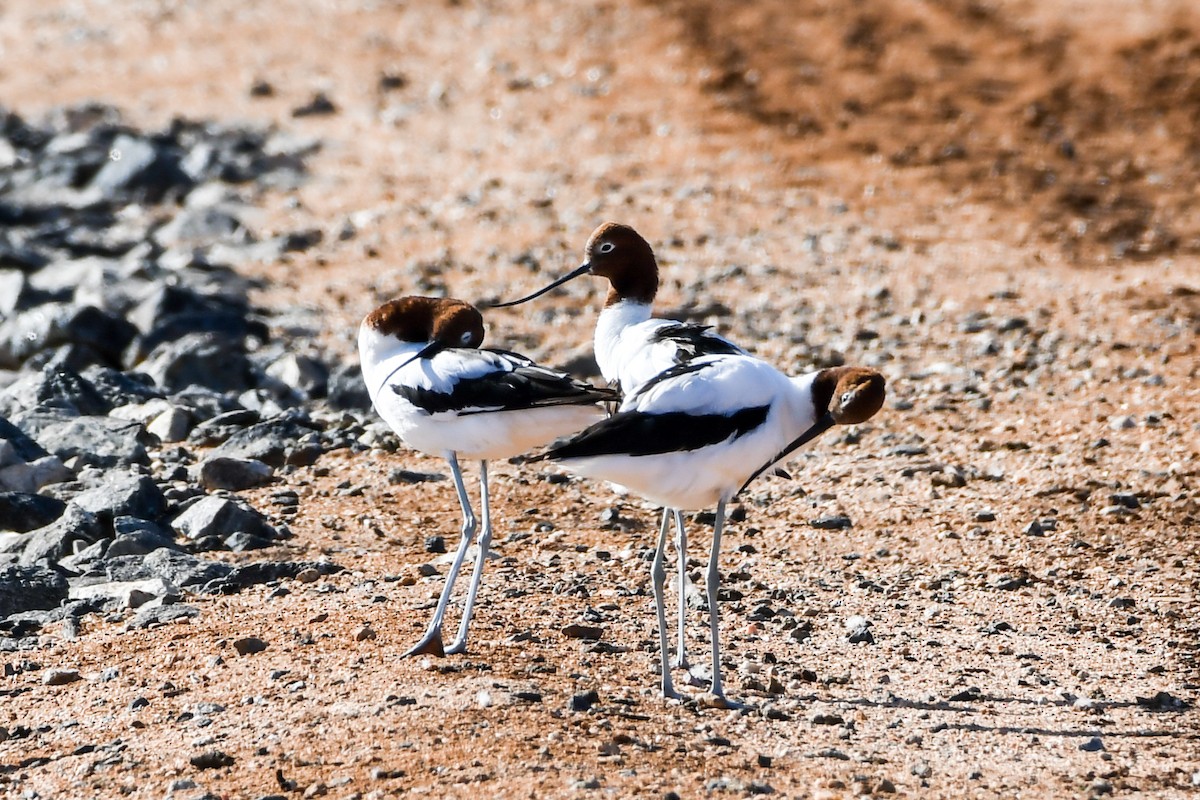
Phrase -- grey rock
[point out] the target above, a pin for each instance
(22, 512)
(261, 572)
(179, 568)
(241, 541)
(308, 377)
(60, 677)
(57, 540)
(121, 388)
(151, 614)
(127, 594)
(23, 446)
(346, 390)
(30, 588)
(218, 516)
(53, 388)
(172, 425)
(276, 442)
(200, 359)
(235, 474)
(33, 476)
(124, 494)
(831, 523)
(249, 645)
(858, 630)
(96, 441)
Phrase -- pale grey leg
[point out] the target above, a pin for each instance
(681, 545)
(431, 642)
(485, 539)
(713, 584)
(658, 576)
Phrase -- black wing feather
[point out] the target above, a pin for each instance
(526, 386)
(636, 433)
(692, 341)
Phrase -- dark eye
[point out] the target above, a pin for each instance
(846, 398)
(606, 247)
(465, 338)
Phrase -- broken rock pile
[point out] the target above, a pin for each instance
(127, 342)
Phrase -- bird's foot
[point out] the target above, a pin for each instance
(430, 645)
(712, 700)
(457, 646)
(680, 662)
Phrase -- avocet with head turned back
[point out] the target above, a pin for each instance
(443, 394)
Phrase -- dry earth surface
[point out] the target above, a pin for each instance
(994, 202)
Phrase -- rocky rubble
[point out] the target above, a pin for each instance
(128, 348)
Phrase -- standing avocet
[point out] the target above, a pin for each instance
(444, 395)
(701, 418)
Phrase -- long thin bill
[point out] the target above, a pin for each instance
(582, 270)
(820, 426)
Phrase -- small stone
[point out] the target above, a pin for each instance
(435, 544)
(427, 570)
(212, 759)
(966, 695)
(234, 474)
(921, 769)
(366, 632)
(584, 700)
(827, 719)
(249, 645)
(831, 523)
(858, 630)
(60, 677)
(590, 632)
(172, 425)
(1121, 423)
(1092, 745)
(885, 787)
(985, 515)
(308, 575)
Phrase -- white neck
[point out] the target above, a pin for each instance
(614, 319)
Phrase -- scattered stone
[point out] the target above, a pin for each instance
(96, 441)
(365, 633)
(921, 769)
(249, 645)
(275, 442)
(967, 695)
(124, 494)
(212, 759)
(60, 677)
(589, 632)
(1092, 745)
(151, 614)
(30, 589)
(234, 474)
(858, 630)
(584, 700)
(221, 517)
(831, 523)
(22, 512)
(56, 541)
(409, 476)
(1123, 422)
(435, 544)
(1161, 701)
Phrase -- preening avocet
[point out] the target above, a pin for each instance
(701, 419)
(444, 395)
(696, 434)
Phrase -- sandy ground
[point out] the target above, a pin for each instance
(994, 203)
